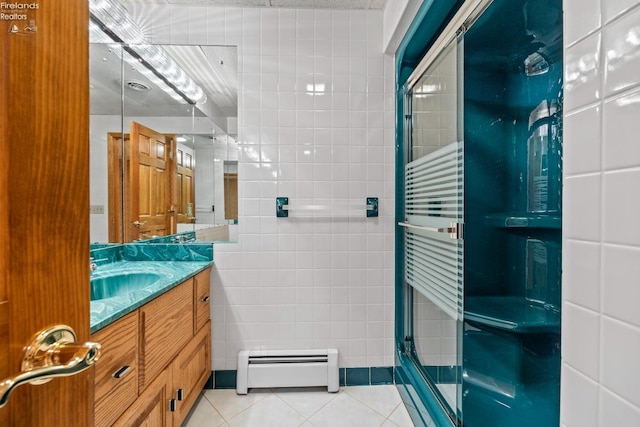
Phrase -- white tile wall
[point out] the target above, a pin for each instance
(601, 326)
(315, 122)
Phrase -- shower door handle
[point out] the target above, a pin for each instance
(455, 230)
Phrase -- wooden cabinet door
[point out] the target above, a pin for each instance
(116, 382)
(151, 409)
(191, 370)
(44, 192)
(166, 325)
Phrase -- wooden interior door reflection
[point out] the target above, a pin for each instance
(152, 196)
(116, 141)
(185, 186)
(230, 196)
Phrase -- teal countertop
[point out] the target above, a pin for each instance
(171, 264)
(105, 311)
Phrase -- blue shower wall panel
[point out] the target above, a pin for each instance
(486, 134)
(511, 376)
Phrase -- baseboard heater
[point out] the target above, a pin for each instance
(287, 368)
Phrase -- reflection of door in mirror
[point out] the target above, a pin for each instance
(149, 207)
(116, 173)
(185, 186)
(231, 196)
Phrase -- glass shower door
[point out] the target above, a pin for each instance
(432, 227)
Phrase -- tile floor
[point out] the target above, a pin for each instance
(362, 406)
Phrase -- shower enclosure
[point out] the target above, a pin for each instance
(479, 216)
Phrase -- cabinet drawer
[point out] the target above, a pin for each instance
(202, 300)
(166, 325)
(116, 375)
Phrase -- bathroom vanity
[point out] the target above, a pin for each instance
(150, 311)
(156, 359)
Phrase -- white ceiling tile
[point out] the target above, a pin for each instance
(303, 4)
(292, 3)
(247, 3)
(341, 4)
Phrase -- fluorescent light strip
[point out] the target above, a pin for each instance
(116, 18)
(112, 20)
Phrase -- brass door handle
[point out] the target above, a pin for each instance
(52, 353)
(137, 223)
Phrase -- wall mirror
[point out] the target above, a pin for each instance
(163, 157)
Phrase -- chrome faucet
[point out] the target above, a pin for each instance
(93, 266)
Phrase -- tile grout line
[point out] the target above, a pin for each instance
(245, 409)
(307, 419)
(373, 409)
(226, 422)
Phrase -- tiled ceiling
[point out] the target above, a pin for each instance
(310, 4)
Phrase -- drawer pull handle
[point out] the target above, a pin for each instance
(122, 372)
(180, 394)
(205, 299)
(173, 405)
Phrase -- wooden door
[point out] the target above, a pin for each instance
(230, 196)
(116, 141)
(152, 201)
(185, 186)
(44, 192)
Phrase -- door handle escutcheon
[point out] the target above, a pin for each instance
(51, 353)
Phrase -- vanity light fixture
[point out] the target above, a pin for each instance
(110, 22)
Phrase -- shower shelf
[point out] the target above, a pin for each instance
(525, 220)
(514, 314)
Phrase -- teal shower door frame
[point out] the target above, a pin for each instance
(421, 400)
(523, 359)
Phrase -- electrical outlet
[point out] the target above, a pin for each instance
(96, 209)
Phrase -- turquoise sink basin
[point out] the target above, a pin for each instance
(120, 283)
